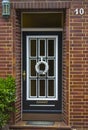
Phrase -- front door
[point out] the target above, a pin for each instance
(42, 77)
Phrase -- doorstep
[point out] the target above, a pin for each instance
(22, 125)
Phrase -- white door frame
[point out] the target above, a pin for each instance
(56, 67)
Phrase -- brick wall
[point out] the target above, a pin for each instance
(17, 63)
(65, 70)
(10, 54)
(75, 56)
(6, 46)
(78, 65)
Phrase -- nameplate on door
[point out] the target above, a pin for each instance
(42, 102)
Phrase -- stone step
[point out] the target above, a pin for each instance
(23, 126)
(39, 128)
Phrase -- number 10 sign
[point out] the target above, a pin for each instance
(79, 11)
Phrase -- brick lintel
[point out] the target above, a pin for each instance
(40, 5)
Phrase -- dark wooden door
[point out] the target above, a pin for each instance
(42, 72)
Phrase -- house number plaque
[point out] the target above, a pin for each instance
(79, 11)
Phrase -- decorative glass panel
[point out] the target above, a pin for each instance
(50, 47)
(51, 88)
(33, 47)
(33, 87)
(42, 87)
(42, 47)
(32, 68)
(51, 68)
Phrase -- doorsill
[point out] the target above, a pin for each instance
(42, 116)
(57, 126)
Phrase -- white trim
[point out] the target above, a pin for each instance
(35, 105)
(27, 67)
(56, 66)
(42, 36)
(38, 12)
(42, 29)
(42, 98)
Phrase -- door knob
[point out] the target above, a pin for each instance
(24, 75)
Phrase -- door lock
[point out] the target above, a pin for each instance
(24, 75)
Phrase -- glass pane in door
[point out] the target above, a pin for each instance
(42, 86)
(50, 87)
(42, 47)
(50, 47)
(51, 68)
(32, 88)
(33, 47)
(32, 67)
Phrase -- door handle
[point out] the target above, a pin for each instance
(24, 75)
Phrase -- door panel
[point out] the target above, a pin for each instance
(42, 91)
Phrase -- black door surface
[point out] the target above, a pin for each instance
(42, 72)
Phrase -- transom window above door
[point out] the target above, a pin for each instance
(42, 67)
(42, 20)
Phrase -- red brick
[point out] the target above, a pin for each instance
(75, 53)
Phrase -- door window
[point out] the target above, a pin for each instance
(42, 55)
